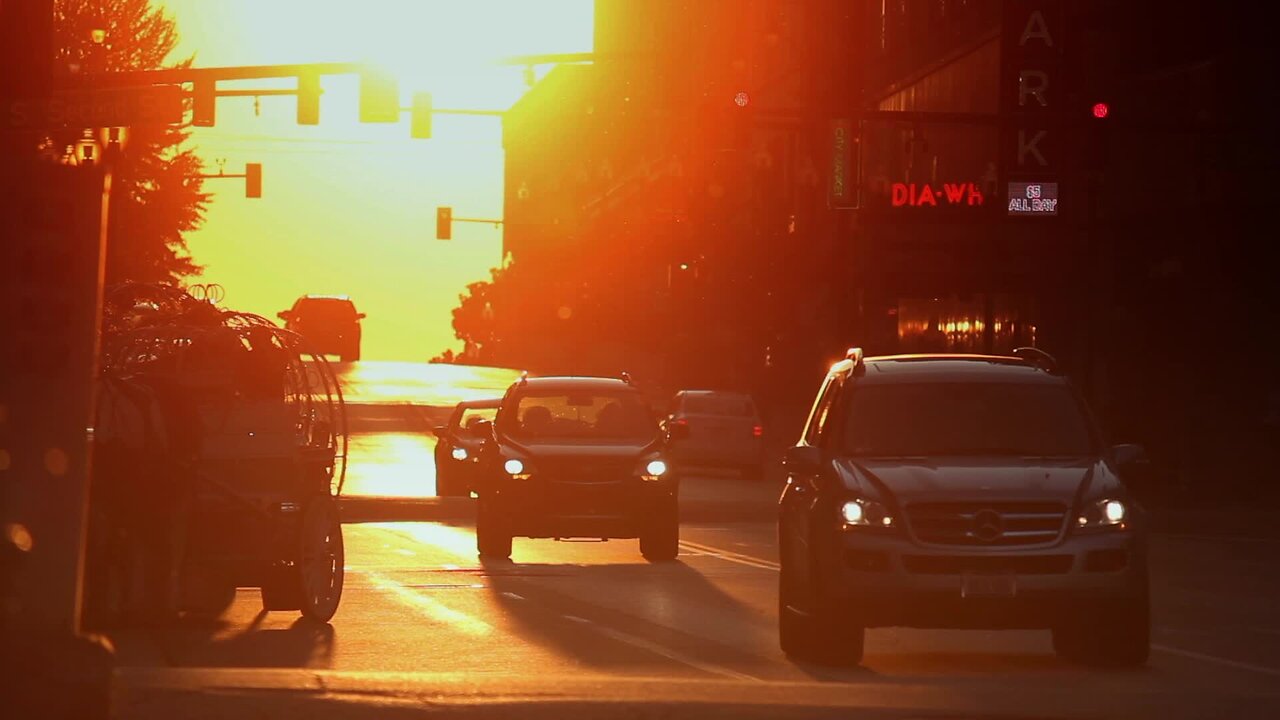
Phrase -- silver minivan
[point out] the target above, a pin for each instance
(716, 428)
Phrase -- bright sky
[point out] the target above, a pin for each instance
(350, 208)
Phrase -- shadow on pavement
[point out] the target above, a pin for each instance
(600, 632)
(205, 642)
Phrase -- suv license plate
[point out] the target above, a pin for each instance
(989, 586)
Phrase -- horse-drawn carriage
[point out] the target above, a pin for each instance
(220, 453)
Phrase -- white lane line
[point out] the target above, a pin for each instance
(577, 619)
(1275, 672)
(431, 608)
(667, 653)
(729, 555)
(509, 594)
(1217, 538)
(769, 565)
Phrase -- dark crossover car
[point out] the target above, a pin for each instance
(576, 457)
(959, 491)
(458, 445)
(330, 324)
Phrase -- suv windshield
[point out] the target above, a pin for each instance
(589, 415)
(966, 419)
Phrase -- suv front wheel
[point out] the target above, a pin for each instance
(811, 625)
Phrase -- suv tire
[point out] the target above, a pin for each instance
(1118, 635)
(814, 628)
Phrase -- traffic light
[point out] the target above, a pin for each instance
(379, 98)
(444, 223)
(420, 118)
(253, 180)
(204, 104)
(309, 99)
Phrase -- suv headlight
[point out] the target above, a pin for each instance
(1103, 514)
(459, 453)
(866, 513)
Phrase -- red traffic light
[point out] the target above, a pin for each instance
(1101, 110)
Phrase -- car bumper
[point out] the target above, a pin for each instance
(605, 510)
(695, 453)
(893, 581)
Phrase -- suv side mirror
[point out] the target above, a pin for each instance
(677, 430)
(440, 430)
(283, 314)
(360, 316)
(1129, 455)
(481, 428)
(802, 459)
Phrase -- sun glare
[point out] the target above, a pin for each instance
(348, 207)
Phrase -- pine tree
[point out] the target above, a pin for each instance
(156, 195)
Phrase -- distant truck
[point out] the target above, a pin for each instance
(330, 324)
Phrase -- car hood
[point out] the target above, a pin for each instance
(956, 479)
(600, 451)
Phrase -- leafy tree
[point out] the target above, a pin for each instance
(156, 195)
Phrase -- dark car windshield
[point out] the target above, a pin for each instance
(587, 415)
(327, 310)
(966, 419)
(729, 405)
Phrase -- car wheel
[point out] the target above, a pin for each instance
(493, 539)
(812, 626)
(321, 559)
(660, 541)
(1117, 635)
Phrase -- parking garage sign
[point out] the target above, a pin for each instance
(1033, 198)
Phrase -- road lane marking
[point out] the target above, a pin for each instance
(729, 555)
(454, 541)
(1275, 672)
(433, 609)
(575, 618)
(1220, 538)
(667, 653)
(509, 594)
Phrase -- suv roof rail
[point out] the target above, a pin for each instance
(1037, 357)
(626, 377)
(855, 355)
(524, 376)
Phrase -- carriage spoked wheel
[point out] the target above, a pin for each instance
(320, 559)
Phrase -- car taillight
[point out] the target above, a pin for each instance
(757, 431)
(680, 422)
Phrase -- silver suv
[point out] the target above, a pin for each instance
(959, 491)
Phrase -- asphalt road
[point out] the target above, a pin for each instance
(567, 627)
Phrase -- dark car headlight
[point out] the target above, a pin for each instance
(860, 512)
(654, 469)
(517, 469)
(1104, 514)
